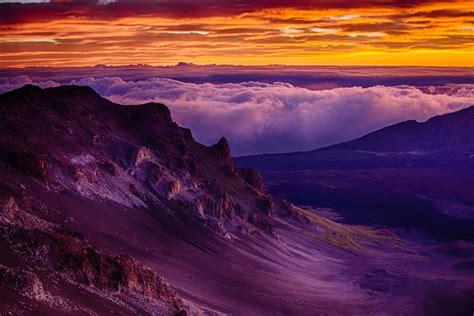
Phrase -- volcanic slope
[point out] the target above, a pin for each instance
(108, 208)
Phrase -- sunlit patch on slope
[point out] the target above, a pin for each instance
(358, 239)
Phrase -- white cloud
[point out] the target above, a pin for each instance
(7, 84)
(258, 117)
(345, 17)
(369, 34)
(290, 30)
(324, 30)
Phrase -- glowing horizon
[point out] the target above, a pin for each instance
(376, 33)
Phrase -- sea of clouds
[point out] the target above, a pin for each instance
(266, 118)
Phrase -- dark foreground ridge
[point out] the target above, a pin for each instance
(116, 209)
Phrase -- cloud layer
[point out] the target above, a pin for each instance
(7, 84)
(266, 118)
(260, 117)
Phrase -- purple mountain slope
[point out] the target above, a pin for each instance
(409, 175)
(453, 131)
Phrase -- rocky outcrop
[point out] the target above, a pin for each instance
(208, 205)
(253, 178)
(260, 221)
(222, 150)
(67, 253)
(133, 276)
(81, 262)
(265, 205)
(11, 213)
(132, 155)
(142, 155)
(108, 166)
(52, 250)
(23, 282)
(25, 162)
(150, 114)
(175, 187)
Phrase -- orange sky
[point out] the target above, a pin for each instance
(321, 32)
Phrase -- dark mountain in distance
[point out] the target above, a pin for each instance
(410, 175)
(449, 132)
(113, 209)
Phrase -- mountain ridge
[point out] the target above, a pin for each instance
(431, 131)
(344, 145)
(411, 175)
(107, 208)
(66, 148)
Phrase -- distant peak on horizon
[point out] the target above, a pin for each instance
(183, 63)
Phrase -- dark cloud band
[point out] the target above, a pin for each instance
(14, 13)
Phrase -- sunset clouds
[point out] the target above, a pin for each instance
(78, 33)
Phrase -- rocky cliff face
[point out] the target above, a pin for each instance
(69, 140)
(72, 139)
(46, 256)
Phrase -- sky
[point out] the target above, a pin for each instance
(240, 32)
